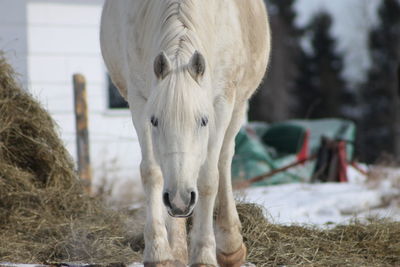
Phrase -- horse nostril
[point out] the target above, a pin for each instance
(192, 198)
(166, 200)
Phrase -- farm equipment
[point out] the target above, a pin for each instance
(293, 151)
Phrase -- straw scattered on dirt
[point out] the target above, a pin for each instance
(46, 217)
(376, 243)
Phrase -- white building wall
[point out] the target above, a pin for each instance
(13, 35)
(62, 38)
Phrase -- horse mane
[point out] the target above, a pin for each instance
(179, 98)
(178, 29)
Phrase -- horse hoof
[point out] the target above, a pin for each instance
(235, 259)
(164, 264)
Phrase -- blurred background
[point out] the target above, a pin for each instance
(336, 59)
(330, 59)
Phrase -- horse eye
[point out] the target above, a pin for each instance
(154, 121)
(204, 121)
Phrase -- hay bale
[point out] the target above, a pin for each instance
(44, 214)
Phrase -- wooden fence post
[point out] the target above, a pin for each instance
(82, 132)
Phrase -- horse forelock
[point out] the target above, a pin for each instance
(179, 102)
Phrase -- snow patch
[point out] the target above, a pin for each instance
(330, 203)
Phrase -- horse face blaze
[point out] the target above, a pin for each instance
(180, 148)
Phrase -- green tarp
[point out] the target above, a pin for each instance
(261, 148)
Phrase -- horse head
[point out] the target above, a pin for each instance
(180, 116)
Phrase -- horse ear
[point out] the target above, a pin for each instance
(197, 65)
(162, 66)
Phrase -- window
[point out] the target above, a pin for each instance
(115, 100)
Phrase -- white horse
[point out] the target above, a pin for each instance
(187, 69)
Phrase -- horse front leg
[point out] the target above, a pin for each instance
(157, 252)
(160, 250)
(177, 237)
(231, 251)
(202, 243)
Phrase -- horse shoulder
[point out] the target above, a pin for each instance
(255, 48)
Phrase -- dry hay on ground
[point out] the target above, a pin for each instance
(46, 217)
(376, 243)
(44, 214)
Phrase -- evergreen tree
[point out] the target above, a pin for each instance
(321, 91)
(285, 10)
(273, 100)
(379, 131)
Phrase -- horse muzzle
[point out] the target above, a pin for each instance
(181, 204)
